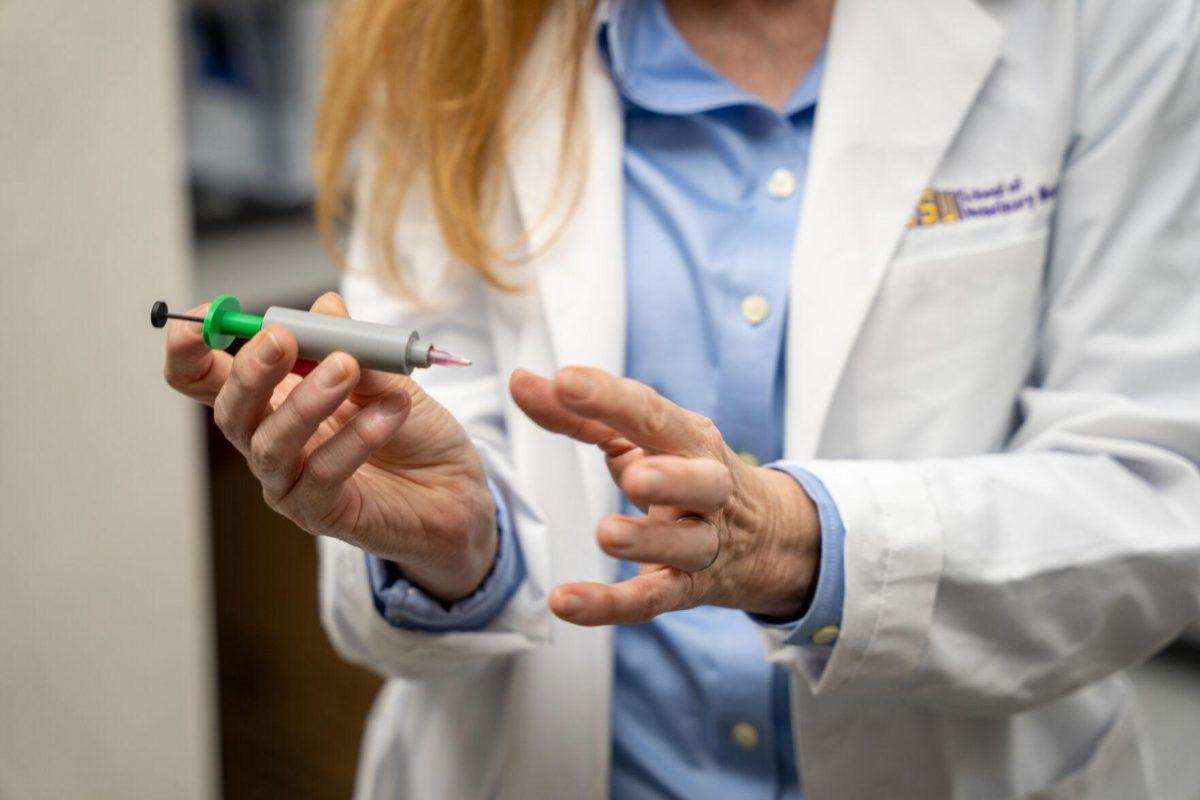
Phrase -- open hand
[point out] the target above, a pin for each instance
(716, 530)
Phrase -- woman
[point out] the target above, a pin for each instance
(933, 263)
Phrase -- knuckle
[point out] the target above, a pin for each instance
(222, 415)
(710, 434)
(292, 413)
(318, 472)
(724, 480)
(327, 518)
(171, 374)
(656, 420)
(242, 368)
(284, 505)
(656, 603)
(247, 374)
(653, 603)
(576, 429)
(361, 439)
(273, 500)
(265, 456)
(185, 376)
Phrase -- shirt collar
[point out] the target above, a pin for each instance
(655, 69)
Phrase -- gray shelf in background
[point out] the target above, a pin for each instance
(275, 262)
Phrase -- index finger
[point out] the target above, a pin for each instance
(192, 367)
(631, 408)
(536, 396)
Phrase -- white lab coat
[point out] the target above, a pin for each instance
(1006, 410)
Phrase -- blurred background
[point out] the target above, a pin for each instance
(158, 625)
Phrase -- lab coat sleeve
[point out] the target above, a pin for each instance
(455, 317)
(993, 583)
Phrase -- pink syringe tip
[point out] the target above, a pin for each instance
(444, 359)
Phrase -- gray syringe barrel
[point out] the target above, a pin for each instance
(374, 346)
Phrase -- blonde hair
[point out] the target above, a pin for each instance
(426, 84)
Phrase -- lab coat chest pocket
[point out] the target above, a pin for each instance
(948, 344)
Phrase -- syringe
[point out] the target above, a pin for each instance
(374, 346)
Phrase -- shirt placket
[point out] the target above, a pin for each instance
(751, 319)
(754, 304)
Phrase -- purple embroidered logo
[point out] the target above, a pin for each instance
(938, 206)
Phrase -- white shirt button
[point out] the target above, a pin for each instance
(755, 309)
(749, 458)
(826, 634)
(744, 735)
(782, 183)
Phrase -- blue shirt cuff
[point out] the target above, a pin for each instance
(403, 605)
(823, 617)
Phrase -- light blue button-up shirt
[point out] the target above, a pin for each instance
(713, 185)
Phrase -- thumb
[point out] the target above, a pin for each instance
(330, 304)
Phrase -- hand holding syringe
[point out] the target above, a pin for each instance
(362, 455)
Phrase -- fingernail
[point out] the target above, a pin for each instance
(269, 350)
(577, 385)
(332, 371)
(393, 404)
(569, 604)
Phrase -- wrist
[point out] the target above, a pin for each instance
(792, 542)
(465, 558)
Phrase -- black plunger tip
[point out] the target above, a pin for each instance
(158, 314)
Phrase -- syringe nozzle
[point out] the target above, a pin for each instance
(444, 359)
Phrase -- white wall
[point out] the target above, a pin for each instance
(106, 680)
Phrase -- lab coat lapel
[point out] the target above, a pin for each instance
(899, 80)
(578, 271)
(579, 264)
